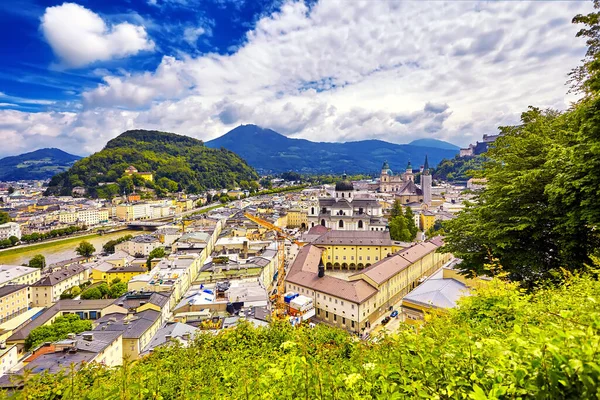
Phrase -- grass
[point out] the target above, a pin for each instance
(43, 245)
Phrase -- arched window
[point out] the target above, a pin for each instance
(360, 224)
(312, 210)
(341, 223)
(342, 194)
(312, 224)
(323, 222)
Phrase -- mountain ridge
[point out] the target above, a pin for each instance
(37, 164)
(271, 152)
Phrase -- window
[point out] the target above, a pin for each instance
(359, 258)
(343, 320)
(360, 225)
(353, 324)
(344, 257)
(341, 224)
(334, 317)
(326, 314)
(353, 306)
(335, 301)
(368, 258)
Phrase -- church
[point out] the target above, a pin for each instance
(347, 212)
(403, 186)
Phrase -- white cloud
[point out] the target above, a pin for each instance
(344, 70)
(80, 37)
(191, 35)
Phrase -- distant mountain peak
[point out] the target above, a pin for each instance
(435, 143)
(37, 164)
(271, 152)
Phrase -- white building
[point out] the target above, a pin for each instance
(10, 229)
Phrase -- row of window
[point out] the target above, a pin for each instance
(352, 258)
(334, 317)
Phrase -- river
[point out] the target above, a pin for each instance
(61, 251)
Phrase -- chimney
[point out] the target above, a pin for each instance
(321, 268)
(71, 336)
(88, 337)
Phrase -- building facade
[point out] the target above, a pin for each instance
(10, 229)
(403, 186)
(346, 211)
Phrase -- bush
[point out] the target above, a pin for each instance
(501, 343)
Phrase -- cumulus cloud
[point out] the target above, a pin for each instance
(343, 70)
(79, 36)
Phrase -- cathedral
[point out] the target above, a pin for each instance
(403, 186)
(345, 211)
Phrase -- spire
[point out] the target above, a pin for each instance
(385, 166)
(409, 166)
(426, 166)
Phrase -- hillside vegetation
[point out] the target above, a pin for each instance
(501, 343)
(177, 163)
(459, 168)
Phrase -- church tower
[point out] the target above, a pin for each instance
(426, 183)
(408, 175)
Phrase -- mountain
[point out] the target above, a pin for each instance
(38, 164)
(435, 143)
(175, 162)
(269, 151)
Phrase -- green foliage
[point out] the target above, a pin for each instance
(58, 330)
(4, 217)
(109, 247)
(35, 237)
(85, 249)
(158, 252)
(13, 240)
(402, 224)
(501, 343)
(459, 168)
(176, 162)
(70, 293)
(37, 261)
(105, 291)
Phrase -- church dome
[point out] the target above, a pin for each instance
(344, 185)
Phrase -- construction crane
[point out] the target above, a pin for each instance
(277, 297)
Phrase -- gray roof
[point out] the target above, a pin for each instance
(134, 300)
(133, 326)
(8, 289)
(175, 330)
(438, 293)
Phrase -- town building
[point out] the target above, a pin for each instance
(356, 302)
(8, 358)
(10, 229)
(18, 274)
(137, 330)
(347, 211)
(14, 300)
(47, 290)
(403, 186)
(139, 246)
(131, 170)
(133, 212)
(355, 249)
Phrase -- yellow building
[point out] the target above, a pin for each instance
(67, 217)
(297, 218)
(47, 290)
(138, 329)
(355, 249)
(426, 220)
(357, 302)
(184, 205)
(17, 274)
(14, 301)
(131, 170)
(124, 273)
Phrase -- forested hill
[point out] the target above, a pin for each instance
(176, 162)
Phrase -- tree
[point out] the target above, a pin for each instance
(13, 240)
(410, 222)
(91, 294)
(58, 330)
(38, 261)
(158, 252)
(85, 249)
(117, 290)
(399, 229)
(396, 209)
(168, 184)
(4, 217)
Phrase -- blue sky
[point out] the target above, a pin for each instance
(74, 75)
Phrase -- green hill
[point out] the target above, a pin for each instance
(176, 162)
(38, 164)
(500, 344)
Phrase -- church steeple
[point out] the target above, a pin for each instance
(409, 167)
(426, 166)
